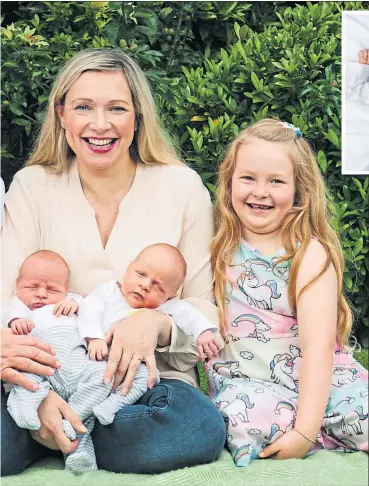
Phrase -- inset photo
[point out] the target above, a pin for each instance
(355, 92)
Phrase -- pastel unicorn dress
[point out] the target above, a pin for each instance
(254, 381)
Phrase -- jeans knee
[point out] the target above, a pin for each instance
(171, 427)
(211, 440)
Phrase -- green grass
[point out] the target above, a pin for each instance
(203, 379)
(361, 356)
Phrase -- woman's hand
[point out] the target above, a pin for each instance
(25, 353)
(290, 445)
(51, 434)
(134, 340)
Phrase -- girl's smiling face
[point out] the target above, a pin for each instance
(99, 119)
(263, 187)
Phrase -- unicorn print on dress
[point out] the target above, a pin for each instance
(281, 270)
(230, 337)
(253, 326)
(217, 380)
(221, 404)
(243, 454)
(257, 294)
(238, 409)
(343, 376)
(254, 432)
(264, 344)
(276, 432)
(295, 351)
(286, 406)
(350, 446)
(350, 422)
(230, 368)
(282, 368)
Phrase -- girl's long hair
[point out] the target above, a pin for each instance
(308, 218)
(151, 144)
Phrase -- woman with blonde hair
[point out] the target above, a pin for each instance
(290, 386)
(102, 183)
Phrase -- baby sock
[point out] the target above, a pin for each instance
(105, 412)
(83, 459)
(23, 405)
(69, 430)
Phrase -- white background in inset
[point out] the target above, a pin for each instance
(355, 93)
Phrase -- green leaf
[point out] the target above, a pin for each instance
(322, 161)
(10, 64)
(332, 137)
(21, 122)
(255, 80)
(358, 246)
(16, 108)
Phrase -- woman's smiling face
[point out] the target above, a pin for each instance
(263, 186)
(99, 119)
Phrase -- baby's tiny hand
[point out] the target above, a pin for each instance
(97, 349)
(21, 326)
(207, 345)
(364, 56)
(65, 307)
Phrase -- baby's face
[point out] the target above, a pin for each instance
(41, 283)
(149, 282)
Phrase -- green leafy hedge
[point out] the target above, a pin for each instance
(214, 67)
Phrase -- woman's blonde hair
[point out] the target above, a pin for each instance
(308, 218)
(151, 143)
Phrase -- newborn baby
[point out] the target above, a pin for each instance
(43, 307)
(151, 281)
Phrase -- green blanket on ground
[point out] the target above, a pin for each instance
(325, 468)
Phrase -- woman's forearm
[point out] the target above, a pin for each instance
(165, 330)
(314, 386)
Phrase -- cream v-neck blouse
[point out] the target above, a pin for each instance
(165, 204)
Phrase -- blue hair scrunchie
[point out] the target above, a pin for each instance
(291, 127)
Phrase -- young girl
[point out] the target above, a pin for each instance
(284, 383)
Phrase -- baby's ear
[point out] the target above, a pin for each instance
(119, 285)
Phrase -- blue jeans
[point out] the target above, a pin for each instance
(172, 426)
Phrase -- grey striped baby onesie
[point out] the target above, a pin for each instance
(79, 381)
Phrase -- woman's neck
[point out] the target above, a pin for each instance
(107, 186)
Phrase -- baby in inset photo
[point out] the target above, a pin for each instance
(355, 93)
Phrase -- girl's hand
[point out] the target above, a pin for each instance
(290, 445)
(65, 307)
(51, 434)
(134, 341)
